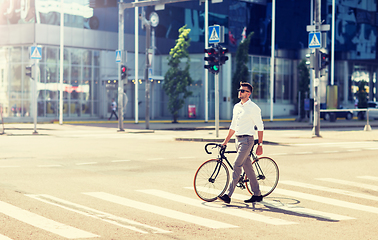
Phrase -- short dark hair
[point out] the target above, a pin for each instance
(246, 84)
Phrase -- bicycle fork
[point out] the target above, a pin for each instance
(216, 171)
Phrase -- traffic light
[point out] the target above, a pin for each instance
(212, 60)
(324, 60)
(123, 72)
(28, 71)
(310, 60)
(222, 55)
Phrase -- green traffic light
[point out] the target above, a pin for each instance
(215, 68)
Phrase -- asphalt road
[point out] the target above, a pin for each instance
(84, 182)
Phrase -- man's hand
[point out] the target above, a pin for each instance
(259, 150)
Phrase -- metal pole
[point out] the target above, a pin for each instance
(272, 58)
(333, 44)
(217, 105)
(136, 78)
(61, 69)
(35, 95)
(148, 43)
(206, 71)
(120, 80)
(317, 15)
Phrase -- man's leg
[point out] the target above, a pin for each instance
(244, 146)
(252, 177)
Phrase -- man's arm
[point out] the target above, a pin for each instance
(229, 135)
(259, 149)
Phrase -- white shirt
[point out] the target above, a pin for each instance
(245, 117)
(114, 105)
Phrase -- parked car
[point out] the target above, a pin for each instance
(372, 114)
(338, 114)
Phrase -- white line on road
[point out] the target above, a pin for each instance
(43, 223)
(90, 212)
(154, 159)
(86, 163)
(160, 210)
(291, 208)
(217, 208)
(303, 153)
(369, 178)
(331, 190)
(186, 157)
(354, 150)
(117, 161)
(48, 166)
(9, 166)
(326, 200)
(350, 183)
(331, 151)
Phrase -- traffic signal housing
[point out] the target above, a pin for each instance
(212, 60)
(123, 71)
(310, 60)
(28, 71)
(222, 55)
(324, 60)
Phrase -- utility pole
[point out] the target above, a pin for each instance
(120, 79)
(315, 43)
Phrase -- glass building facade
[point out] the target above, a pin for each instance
(90, 71)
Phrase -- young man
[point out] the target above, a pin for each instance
(114, 108)
(246, 115)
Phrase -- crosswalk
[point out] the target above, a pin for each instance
(311, 207)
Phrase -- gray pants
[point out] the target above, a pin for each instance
(243, 147)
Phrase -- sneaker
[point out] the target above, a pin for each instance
(225, 198)
(254, 199)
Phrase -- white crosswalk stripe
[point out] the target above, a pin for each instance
(369, 178)
(350, 183)
(160, 210)
(90, 212)
(328, 189)
(217, 208)
(43, 223)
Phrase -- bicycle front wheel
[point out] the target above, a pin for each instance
(211, 180)
(267, 175)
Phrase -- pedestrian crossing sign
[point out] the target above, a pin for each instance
(314, 40)
(35, 52)
(214, 34)
(118, 57)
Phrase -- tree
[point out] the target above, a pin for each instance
(303, 84)
(177, 78)
(241, 74)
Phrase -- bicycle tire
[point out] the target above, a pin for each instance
(207, 189)
(267, 174)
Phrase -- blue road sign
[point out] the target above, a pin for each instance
(314, 40)
(118, 57)
(214, 34)
(35, 52)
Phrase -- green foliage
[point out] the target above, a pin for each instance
(177, 78)
(303, 84)
(241, 74)
(362, 95)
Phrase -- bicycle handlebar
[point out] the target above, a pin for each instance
(222, 151)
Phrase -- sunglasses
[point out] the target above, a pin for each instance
(242, 90)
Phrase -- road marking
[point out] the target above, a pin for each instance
(186, 157)
(86, 163)
(9, 166)
(160, 210)
(327, 189)
(292, 208)
(326, 200)
(369, 178)
(371, 148)
(350, 183)
(154, 159)
(303, 153)
(2, 237)
(354, 150)
(217, 208)
(43, 223)
(47, 166)
(331, 151)
(277, 154)
(90, 212)
(117, 161)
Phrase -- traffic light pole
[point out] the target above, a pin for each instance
(35, 96)
(316, 126)
(120, 80)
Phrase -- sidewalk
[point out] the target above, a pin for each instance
(283, 131)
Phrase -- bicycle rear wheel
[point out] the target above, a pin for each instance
(211, 180)
(267, 175)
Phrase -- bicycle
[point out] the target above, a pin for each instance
(212, 177)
